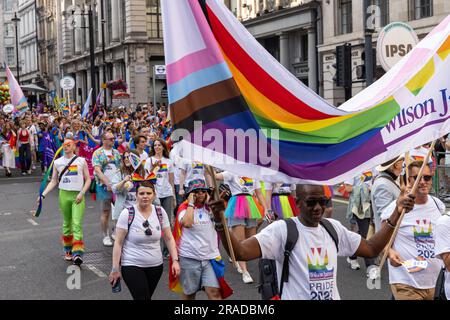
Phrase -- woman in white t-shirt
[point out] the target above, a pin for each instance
(198, 245)
(71, 174)
(137, 251)
(244, 209)
(159, 158)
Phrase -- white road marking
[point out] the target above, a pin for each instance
(91, 207)
(34, 223)
(340, 201)
(5, 214)
(99, 273)
(7, 268)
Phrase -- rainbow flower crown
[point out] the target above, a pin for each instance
(136, 177)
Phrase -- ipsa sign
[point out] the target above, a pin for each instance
(395, 41)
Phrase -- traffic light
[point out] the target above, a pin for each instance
(343, 66)
(361, 70)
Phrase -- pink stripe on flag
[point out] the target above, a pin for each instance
(199, 60)
(191, 63)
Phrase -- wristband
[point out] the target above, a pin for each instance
(191, 205)
(390, 224)
(43, 197)
(114, 269)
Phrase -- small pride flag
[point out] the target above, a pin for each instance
(17, 97)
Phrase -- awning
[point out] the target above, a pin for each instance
(33, 88)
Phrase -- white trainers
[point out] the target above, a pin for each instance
(354, 264)
(107, 242)
(247, 278)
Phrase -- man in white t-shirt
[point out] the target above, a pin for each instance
(414, 267)
(106, 162)
(313, 261)
(442, 249)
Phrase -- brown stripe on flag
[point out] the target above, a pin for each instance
(202, 98)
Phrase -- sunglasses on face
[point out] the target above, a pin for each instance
(146, 225)
(312, 202)
(426, 178)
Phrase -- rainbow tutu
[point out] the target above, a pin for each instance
(284, 206)
(243, 206)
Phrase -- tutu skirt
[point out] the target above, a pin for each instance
(284, 206)
(243, 206)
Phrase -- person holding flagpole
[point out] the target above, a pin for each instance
(71, 175)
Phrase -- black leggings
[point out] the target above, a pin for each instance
(363, 229)
(141, 282)
(25, 157)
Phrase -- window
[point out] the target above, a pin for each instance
(419, 9)
(9, 56)
(344, 17)
(8, 5)
(154, 21)
(9, 30)
(381, 12)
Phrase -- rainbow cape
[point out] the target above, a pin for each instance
(217, 263)
(217, 73)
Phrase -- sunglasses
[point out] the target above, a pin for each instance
(312, 202)
(199, 191)
(146, 225)
(426, 178)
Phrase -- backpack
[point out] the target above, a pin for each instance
(268, 280)
(132, 213)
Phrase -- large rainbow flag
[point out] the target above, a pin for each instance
(17, 97)
(258, 120)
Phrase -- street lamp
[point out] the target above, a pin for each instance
(16, 21)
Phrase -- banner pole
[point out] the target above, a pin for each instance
(414, 189)
(224, 220)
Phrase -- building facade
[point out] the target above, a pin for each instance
(28, 42)
(47, 45)
(303, 34)
(132, 40)
(7, 39)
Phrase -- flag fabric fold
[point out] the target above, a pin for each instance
(17, 97)
(86, 105)
(217, 73)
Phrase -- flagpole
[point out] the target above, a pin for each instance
(413, 191)
(224, 221)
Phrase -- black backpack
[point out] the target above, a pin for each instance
(268, 280)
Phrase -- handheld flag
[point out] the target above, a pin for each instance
(17, 97)
(86, 105)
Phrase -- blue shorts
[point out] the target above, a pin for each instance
(196, 274)
(247, 223)
(103, 193)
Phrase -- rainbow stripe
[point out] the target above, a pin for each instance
(72, 170)
(197, 166)
(163, 167)
(248, 182)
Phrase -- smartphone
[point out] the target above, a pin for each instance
(117, 288)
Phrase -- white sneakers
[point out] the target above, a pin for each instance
(246, 277)
(107, 241)
(354, 264)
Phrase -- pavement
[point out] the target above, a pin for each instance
(32, 265)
